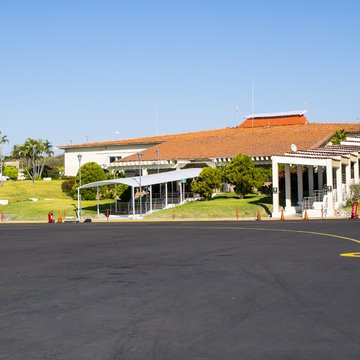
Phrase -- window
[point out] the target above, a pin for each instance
(114, 158)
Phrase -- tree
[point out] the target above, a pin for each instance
(90, 172)
(208, 180)
(34, 154)
(339, 136)
(242, 173)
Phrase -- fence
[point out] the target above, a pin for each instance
(158, 202)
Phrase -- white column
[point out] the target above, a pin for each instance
(339, 185)
(348, 177)
(300, 184)
(320, 178)
(150, 197)
(166, 195)
(356, 171)
(275, 184)
(180, 189)
(311, 179)
(287, 187)
(97, 200)
(329, 182)
(79, 205)
(133, 200)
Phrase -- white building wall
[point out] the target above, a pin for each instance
(100, 155)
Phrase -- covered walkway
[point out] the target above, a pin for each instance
(179, 176)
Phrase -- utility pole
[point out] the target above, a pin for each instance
(79, 194)
(3, 140)
(140, 200)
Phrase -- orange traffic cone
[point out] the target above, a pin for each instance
(59, 217)
(306, 216)
(282, 215)
(258, 217)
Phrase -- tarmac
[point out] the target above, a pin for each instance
(180, 290)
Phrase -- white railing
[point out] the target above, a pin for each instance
(157, 203)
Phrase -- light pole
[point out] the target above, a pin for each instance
(1, 165)
(158, 159)
(158, 167)
(79, 195)
(140, 200)
(3, 140)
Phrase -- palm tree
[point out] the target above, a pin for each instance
(34, 153)
(340, 135)
(46, 152)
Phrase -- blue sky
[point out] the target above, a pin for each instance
(94, 70)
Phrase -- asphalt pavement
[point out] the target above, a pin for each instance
(181, 290)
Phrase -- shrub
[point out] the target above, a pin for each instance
(67, 186)
(90, 172)
(354, 194)
(52, 171)
(12, 172)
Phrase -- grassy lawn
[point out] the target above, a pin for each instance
(50, 198)
(221, 207)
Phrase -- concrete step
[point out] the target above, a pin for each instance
(318, 205)
(314, 214)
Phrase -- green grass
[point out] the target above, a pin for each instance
(222, 207)
(50, 198)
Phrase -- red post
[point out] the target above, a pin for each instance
(237, 214)
(354, 211)
(50, 217)
(107, 215)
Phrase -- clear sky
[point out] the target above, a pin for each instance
(93, 70)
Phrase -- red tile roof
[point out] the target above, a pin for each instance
(145, 140)
(257, 141)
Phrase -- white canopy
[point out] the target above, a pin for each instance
(152, 179)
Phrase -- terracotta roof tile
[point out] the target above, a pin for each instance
(257, 141)
(149, 139)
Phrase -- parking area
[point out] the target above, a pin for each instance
(180, 290)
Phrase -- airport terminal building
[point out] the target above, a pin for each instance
(271, 139)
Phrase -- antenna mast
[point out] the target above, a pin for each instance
(252, 102)
(156, 119)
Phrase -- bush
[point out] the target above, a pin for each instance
(67, 186)
(354, 194)
(90, 172)
(12, 172)
(52, 171)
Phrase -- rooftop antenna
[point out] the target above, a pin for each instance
(252, 102)
(237, 114)
(156, 119)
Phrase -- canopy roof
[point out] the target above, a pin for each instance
(152, 179)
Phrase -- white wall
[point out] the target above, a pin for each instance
(100, 155)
